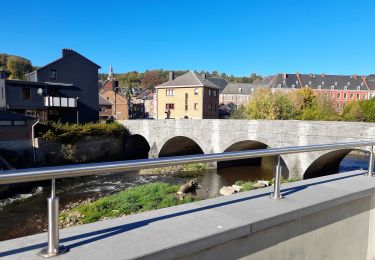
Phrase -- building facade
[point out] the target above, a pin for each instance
(64, 90)
(187, 96)
(236, 94)
(111, 92)
(341, 89)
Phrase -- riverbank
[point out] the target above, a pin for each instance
(181, 171)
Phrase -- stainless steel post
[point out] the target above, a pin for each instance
(53, 248)
(277, 181)
(371, 163)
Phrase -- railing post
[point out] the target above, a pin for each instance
(53, 248)
(276, 195)
(371, 163)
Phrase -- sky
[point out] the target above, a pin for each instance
(235, 37)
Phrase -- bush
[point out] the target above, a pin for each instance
(70, 133)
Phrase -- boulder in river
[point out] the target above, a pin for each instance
(229, 190)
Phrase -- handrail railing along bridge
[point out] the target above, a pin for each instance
(67, 171)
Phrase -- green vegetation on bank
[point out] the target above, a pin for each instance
(70, 133)
(132, 200)
(182, 171)
(251, 185)
(302, 104)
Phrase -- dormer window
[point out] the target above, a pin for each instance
(322, 82)
(239, 89)
(332, 87)
(319, 87)
(361, 83)
(310, 82)
(358, 88)
(345, 88)
(296, 81)
(306, 86)
(279, 86)
(335, 83)
(348, 83)
(293, 86)
(53, 74)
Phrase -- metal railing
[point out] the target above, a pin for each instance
(58, 172)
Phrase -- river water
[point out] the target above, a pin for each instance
(25, 214)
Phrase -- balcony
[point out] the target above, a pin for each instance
(50, 101)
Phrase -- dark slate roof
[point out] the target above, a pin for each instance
(103, 101)
(61, 58)
(241, 88)
(188, 79)
(370, 80)
(144, 93)
(220, 82)
(320, 81)
(7, 116)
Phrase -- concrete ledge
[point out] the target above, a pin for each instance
(184, 230)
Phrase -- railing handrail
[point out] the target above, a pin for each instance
(51, 173)
(67, 171)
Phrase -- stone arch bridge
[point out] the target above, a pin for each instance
(159, 138)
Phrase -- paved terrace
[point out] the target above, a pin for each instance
(220, 225)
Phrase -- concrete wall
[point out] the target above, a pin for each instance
(340, 232)
(215, 136)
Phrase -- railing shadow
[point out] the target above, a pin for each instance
(108, 232)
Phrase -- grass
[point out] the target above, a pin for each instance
(132, 200)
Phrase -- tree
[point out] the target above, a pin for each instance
(353, 112)
(18, 67)
(150, 79)
(321, 109)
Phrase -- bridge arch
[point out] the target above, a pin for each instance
(180, 145)
(328, 163)
(267, 163)
(136, 147)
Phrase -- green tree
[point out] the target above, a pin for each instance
(18, 67)
(353, 112)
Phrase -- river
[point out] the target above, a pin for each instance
(25, 214)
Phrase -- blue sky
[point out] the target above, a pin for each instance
(236, 37)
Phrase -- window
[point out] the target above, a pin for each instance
(186, 101)
(364, 96)
(169, 106)
(214, 91)
(209, 92)
(345, 88)
(338, 95)
(239, 89)
(370, 96)
(279, 86)
(196, 106)
(209, 107)
(351, 96)
(26, 94)
(333, 95)
(293, 86)
(319, 87)
(325, 94)
(358, 88)
(335, 83)
(196, 92)
(20, 122)
(337, 105)
(170, 92)
(358, 96)
(53, 74)
(2, 93)
(332, 87)
(215, 107)
(345, 96)
(5, 123)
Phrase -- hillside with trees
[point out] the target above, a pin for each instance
(151, 78)
(16, 67)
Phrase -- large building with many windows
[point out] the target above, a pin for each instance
(187, 96)
(341, 89)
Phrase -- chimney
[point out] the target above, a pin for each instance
(66, 52)
(171, 75)
(284, 75)
(323, 75)
(203, 75)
